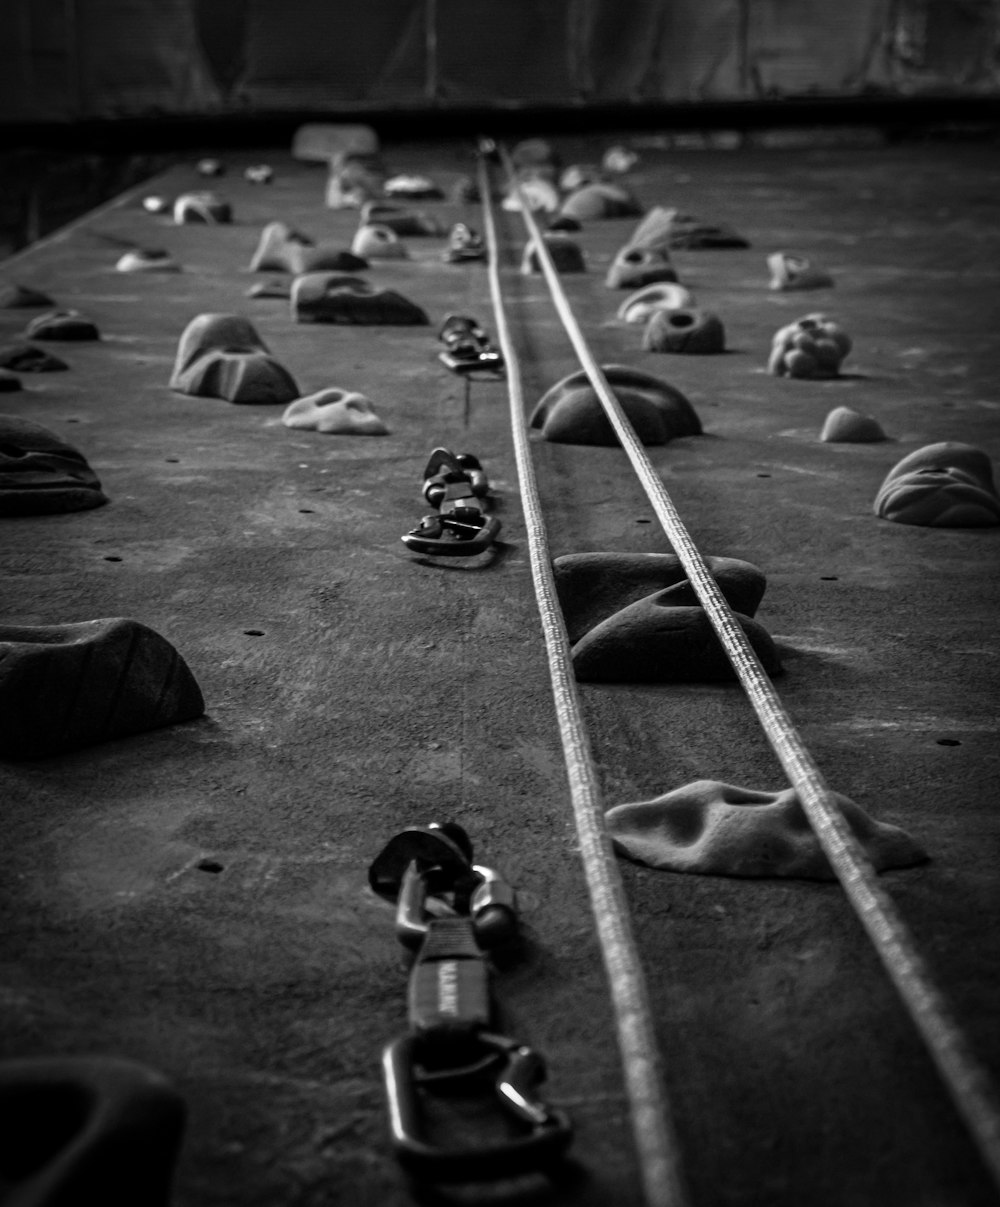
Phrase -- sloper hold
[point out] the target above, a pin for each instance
(638, 307)
(222, 356)
(335, 412)
(376, 242)
(656, 641)
(634, 267)
(282, 249)
(203, 207)
(594, 586)
(673, 229)
(688, 331)
(944, 485)
(600, 199)
(65, 686)
(77, 1129)
(791, 272)
(566, 253)
(40, 474)
(22, 297)
(711, 828)
(844, 425)
(571, 413)
(324, 297)
(62, 325)
(25, 358)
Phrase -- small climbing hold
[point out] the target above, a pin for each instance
(672, 229)
(335, 412)
(533, 153)
(571, 413)
(541, 196)
(41, 474)
(259, 173)
(202, 207)
(399, 219)
(416, 188)
(638, 307)
(566, 253)
(354, 179)
(222, 356)
(269, 289)
(323, 297)
(600, 200)
(282, 249)
(811, 347)
(377, 242)
(156, 204)
(22, 297)
(619, 159)
(147, 260)
(25, 358)
(563, 222)
(102, 679)
(790, 272)
(688, 331)
(846, 426)
(86, 1129)
(944, 485)
(62, 325)
(210, 167)
(711, 828)
(465, 245)
(579, 174)
(634, 267)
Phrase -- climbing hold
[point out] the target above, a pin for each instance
(9, 382)
(813, 346)
(354, 179)
(715, 829)
(324, 297)
(22, 297)
(464, 245)
(600, 200)
(654, 640)
(25, 358)
(282, 249)
(846, 426)
(337, 412)
(259, 173)
(202, 207)
(64, 686)
(594, 586)
(566, 253)
(399, 219)
(147, 260)
(222, 356)
(571, 413)
(62, 325)
(377, 242)
(541, 195)
(156, 204)
(672, 229)
(945, 485)
(415, 188)
(40, 474)
(634, 267)
(638, 307)
(269, 289)
(619, 159)
(690, 331)
(579, 174)
(563, 222)
(789, 272)
(320, 142)
(77, 1129)
(210, 167)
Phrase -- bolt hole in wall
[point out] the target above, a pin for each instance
(253, 632)
(112, 557)
(948, 742)
(209, 865)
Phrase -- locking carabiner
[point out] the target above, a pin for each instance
(456, 485)
(467, 348)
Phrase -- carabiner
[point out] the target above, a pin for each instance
(519, 1071)
(457, 487)
(467, 348)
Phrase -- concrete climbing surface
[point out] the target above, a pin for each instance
(194, 898)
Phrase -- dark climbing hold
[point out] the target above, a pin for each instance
(321, 297)
(40, 474)
(222, 356)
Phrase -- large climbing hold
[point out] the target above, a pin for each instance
(62, 325)
(945, 485)
(400, 219)
(355, 177)
(335, 412)
(375, 241)
(207, 208)
(688, 330)
(326, 297)
(673, 229)
(599, 199)
(639, 307)
(570, 412)
(283, 249)
(40, 474)
(634, 267)
(76, 1129)
(812, 347)
(65, 686)
(711, 828)
(222, 356)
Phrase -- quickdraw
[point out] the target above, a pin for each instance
(467, 348)
(452, 913)
(457, 486)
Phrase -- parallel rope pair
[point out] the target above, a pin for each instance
(660, 1166)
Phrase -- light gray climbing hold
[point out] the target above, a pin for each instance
(639, 307)
(792, 272)
(846, 426)
(335, 412)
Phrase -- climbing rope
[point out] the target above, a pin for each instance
(967, 1081)
(652, 1125)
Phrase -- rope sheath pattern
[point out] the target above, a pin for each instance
(967, 1081)
(652, 1126)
